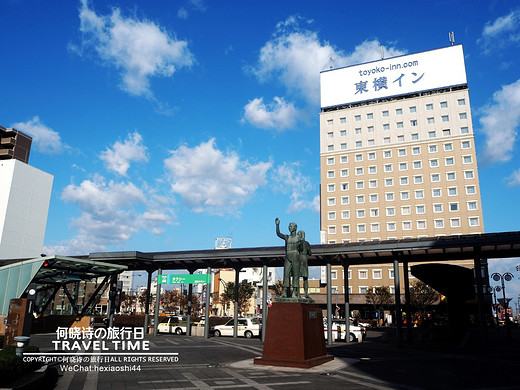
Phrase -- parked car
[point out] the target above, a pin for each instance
(247, 327)
(173, 324)
(357, 333)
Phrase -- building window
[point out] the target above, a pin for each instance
(331, 202)
(372, 183)
(413, 122)
(372, 155)
(418, 179)
(370, 129)
(452, 191)
(331, 215)
(362, 274)
(360, 199)
(454, 206)
(401, 152)
(389, 196)
(343, 146)
(400, 126)
(344, 172)
(405, 210)
(358, 157)
(416, 150)
(473, 221)
(374, 212)
(361, 228)
(344, 159)
(345, 200)
(389, 182)
(420, 209)
(386, 126)
(472, 205)
(405, 195)
(370, 116)
(468, 175)
(431, 134)
(330, 148)
(388, 167)
(436, 192)
(391, 273)
(332, 229)
(465, 145)
(438, 223)
(421, 225)
(363, 289)
(448, 147)
(464, 130)
(359, 171)
(432, 148)
(429, 107)
(371, 142)
(330, 174)
(403, 166)
(345, 229)
(374, 227)
(357, 118)
(386, 140)
(461, 102)
(330, 161)
(344, 186)
(390, 226)
(419, 194)
(330, 122)
(373, 198)
(331, 188)
(444, 104)
(330, 135)
(434, 163)
(384, 113)
(430, 121)
(343, 133)
(403, 180)
(387, 154)
(400, 138)
(455, 222)
(463, 116)
(359, 144)
(377, 274)
(449, 161)
(345, 214)
(415, 136)
(360, 185)
(435, 177)
(470, 190)
(360, 213)
(407, 225)
(417, 165)
(437, 208)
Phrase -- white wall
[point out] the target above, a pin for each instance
(25, 193)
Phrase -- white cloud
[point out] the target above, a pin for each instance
(514, 178)
(44, 138)
(140, 49)
(501, 31)
(500, 124)
(288, 180)
(278, 115)
(296, 56)
(118, 157)
(209, 180)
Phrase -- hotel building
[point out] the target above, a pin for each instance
(397, 156)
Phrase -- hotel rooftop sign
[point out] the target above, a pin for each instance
(434, 69)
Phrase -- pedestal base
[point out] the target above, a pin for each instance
(294, 336)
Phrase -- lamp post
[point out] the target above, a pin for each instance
(506, 276)
(223, 285)
(495, 290)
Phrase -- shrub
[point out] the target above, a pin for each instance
(12, 366)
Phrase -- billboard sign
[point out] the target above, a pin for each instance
(394, 76)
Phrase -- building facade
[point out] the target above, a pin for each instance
(397, 155)
(25, 193)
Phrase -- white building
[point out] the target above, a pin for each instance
(25, 194)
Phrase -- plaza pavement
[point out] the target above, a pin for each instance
(377, 363)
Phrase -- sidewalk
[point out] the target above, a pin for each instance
(377, 363)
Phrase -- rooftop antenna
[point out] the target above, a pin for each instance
(452, 37)
(382, 53)
(331, 63)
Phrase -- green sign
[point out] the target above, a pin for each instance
(183, 279)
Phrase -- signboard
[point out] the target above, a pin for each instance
(393, 76)
(184, 279)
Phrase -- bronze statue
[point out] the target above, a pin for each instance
(305, 250)
(292, 260)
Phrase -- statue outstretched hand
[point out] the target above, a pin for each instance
(277, 221)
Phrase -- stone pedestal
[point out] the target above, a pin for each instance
(294, 336)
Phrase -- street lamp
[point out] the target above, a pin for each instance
(506, 276)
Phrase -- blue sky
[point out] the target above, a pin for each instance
(167, 124)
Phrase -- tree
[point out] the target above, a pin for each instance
(170, 300)
(127, 302)
(379, 297)
(278, 288)
(141, 300)
(245, 292)
(422, 295)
